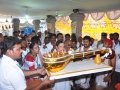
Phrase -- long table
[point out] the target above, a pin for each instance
(79, 68)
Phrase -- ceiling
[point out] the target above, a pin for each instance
(41, 8)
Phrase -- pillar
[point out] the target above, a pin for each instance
(16, 24)
(51, 20)
(77, 22)
(36, 24)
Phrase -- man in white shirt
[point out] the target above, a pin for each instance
(116, 47)
(83, 81)
(10, 73)
(25, 49)
(104, 78)
(11, 76)
(60, 37)
(44, 47)
(52, 43)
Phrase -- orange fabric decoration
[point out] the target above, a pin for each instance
(109, 41)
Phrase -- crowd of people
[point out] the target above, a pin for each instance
(28, 51)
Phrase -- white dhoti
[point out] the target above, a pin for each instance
(63, 84)
(100, 77)
(100, 80)
(83, 81)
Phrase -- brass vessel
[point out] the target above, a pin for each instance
(53, 64)
(97, 59)
(56, 64)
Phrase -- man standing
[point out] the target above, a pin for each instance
(11, 76)
(84, 81)
(116, 47)
(100, 43)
